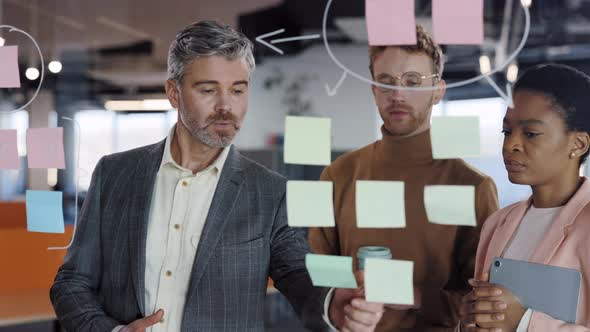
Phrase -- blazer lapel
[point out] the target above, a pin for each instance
(557, 232)
(143, 185)
(226, 195)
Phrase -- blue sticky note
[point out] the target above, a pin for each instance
(45, 211)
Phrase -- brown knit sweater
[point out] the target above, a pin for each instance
(444, 256)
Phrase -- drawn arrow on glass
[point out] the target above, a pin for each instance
(506, 96)
(270, 45)
(333, 91)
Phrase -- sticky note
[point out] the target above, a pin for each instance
(458, 22)
(45, 211)
(308, 140)
(380, 204)
(455, 137)
(450, 205)
(310, 204)
(9, 73)
(389, 281)
(45, 148)
(330, 271)
(391, 22)
(8, 149)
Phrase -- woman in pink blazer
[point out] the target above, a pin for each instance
(546, 141)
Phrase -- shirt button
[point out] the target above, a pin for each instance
(184, 183)
(177, 226)
(168, 273)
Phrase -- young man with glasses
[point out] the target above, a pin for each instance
(443, 256)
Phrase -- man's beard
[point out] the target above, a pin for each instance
(417, 117)
(202, 133)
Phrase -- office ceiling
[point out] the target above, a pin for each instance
(123, 43)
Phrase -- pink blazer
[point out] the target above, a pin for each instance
(566, 244)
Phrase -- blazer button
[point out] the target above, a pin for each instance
(168, 273)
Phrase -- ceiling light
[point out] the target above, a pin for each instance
(512, 73)
(485, 65)
(55, 67)
(138, 105)
(32, 73)
(527, 3)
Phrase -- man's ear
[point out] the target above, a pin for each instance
(439, 92)
(374, 90)
(173, 93)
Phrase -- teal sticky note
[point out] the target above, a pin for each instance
(450, 205)
(389, 281)
(455, 137)
(330, 271)
(45, 211)
(308, 141)
(380, 204)
(310, 204)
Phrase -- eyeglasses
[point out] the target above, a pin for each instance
(411, 79)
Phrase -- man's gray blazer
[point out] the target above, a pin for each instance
(245, 239)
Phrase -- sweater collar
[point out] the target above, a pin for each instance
(400, 150)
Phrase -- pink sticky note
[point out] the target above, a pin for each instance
(9, 74)
(45, 148)
(458, 22)
(391, 22)
(8, 149)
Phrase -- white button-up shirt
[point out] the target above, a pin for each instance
(179, 208)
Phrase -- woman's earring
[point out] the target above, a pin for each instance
(572, 155)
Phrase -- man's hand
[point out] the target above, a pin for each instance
(351, 313)
(490, 308)
(141, 324)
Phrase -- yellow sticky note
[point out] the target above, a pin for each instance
(380, 204)
(308, 141)
(330, 271)
(450, 205)
(310, 204)
(389, 281)
(455, 137)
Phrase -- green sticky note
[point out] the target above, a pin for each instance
(389, 281)
(455, 137)
(380, 204)
(308, 141)
(450, 205)
(310, 204)
(330, 271)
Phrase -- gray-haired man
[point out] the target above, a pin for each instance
(183, 234)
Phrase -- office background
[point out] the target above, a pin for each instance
(112, 56)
